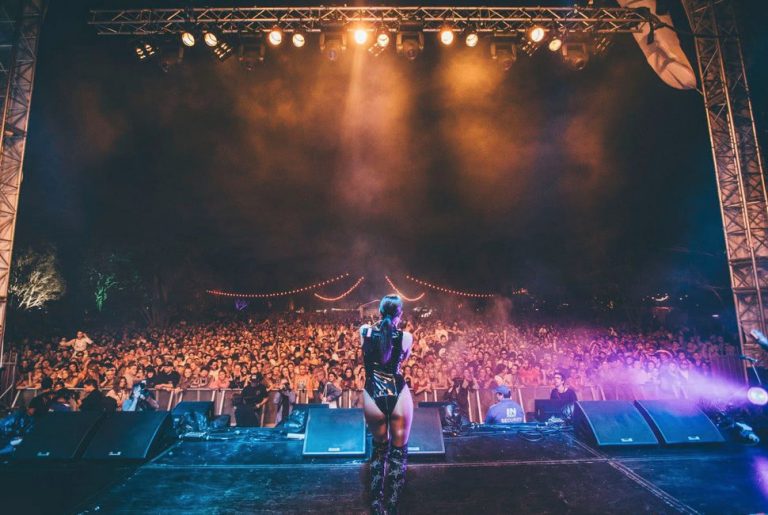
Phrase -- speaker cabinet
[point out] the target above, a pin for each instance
(58, 436)
(426, 432)
(130, 436)
(679, 421)
(612, 423)
(335, 432)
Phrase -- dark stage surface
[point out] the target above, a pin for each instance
(256, 471)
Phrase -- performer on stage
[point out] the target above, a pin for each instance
(388, 403)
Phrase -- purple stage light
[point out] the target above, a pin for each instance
(757, 395)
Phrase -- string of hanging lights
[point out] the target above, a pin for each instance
(220, 293)
(402, 295)
(449, 290)
(341, 296)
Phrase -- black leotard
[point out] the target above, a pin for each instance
(383, 381)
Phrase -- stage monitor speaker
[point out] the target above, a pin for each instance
(612, 423)
(192, 416)
(335, 432)
(426, 432)
(679, 421)
(58, 436)
(130, 436)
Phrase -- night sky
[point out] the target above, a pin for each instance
(446, 168)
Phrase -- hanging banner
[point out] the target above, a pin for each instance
(663, 52)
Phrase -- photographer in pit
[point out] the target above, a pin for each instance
(285, 399)
(458, 395)
(63, 399)
(141, 399)
(250, 403)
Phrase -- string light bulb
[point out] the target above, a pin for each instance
(449, 290)
(220, 293)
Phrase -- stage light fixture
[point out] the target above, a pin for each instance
(333, 43)
(210, 38)
(410, 42)
(446, 35)
(360, 35)
(251, 52)
(188, 38)
(575, 55)
(472, 39)
(171, 55)
(504, 51)
(223, 51)
(536, 34)
(299, 39)
(144, 50)
(275, 36)
(555, 44)
(757, 396)
(382, 38)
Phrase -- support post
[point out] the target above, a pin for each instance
(20, 24)
(738, 164)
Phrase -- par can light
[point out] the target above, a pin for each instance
(757, 396)
(446, 36)
(210, 39)
(382, 39)
(537, 34)
(360, 35)
(188, 38)
(298, 39)
(472, 39)
(275, 36)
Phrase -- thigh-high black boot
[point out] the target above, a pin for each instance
(378, 472)
(397, 462)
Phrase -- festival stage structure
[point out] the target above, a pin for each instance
(722, 78)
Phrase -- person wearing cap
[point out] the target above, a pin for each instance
(248, 406)
(505, 411)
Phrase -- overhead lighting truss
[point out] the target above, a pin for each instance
(173, 21)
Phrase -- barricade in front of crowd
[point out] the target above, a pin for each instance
(527, 396)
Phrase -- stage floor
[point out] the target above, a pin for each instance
(257, 471)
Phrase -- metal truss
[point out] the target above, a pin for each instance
(738, 164)
(145, 22)
(20, 23)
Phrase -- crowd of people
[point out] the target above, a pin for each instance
(319, 354)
